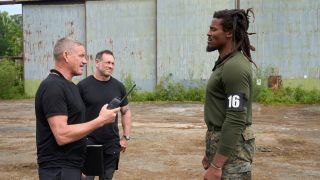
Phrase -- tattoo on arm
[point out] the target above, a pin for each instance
(124, 110)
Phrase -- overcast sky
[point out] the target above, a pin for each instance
(11, 9)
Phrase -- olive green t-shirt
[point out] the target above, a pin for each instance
(228, 102)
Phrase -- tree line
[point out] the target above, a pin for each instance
(11, 81)
(10, 34)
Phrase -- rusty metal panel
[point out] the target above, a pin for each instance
(43, 25)
(288, 36)
(182, 27)
(128, 28)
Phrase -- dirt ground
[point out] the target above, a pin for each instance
(168, 142)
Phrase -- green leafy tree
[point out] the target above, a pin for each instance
(11, 83)
(11, 86)
(10, 34)
(17, 18)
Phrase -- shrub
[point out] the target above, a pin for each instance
(11, 85)
(287, 95)
(168, 90)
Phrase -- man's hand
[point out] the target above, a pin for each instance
(205, 162)
(123, 144)
(108, 116)
(212, 174)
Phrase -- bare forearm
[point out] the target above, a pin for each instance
(219, 160)
(75, 132)
(65, 133)
(126, 123)
(78, 131)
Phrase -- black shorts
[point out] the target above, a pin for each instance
(110, 161)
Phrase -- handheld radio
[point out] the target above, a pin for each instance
(117, 101)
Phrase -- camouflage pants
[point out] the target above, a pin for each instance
(238, 165)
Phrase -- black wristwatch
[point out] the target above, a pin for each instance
(127, 138)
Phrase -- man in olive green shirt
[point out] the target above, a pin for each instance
(230, 140)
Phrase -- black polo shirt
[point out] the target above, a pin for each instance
(58, 96)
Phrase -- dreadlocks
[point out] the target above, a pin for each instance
(237, 21)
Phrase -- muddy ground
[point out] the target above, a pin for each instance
(168, 142)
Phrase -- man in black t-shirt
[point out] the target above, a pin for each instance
(60, 116)
(97, 90)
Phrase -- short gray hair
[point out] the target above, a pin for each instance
(64, 44)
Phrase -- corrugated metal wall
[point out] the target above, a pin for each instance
(128, 28)
(288, 36)
(42, 27)
(154, 39)
(182, 28)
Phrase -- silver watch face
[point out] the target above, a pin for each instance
(127, 137)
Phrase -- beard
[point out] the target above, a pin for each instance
(210, 48)
(104, 73)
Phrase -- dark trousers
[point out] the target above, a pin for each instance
(108, 175)
(59, 174)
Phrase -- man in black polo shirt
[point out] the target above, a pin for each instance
(97, 90)
(60, 116)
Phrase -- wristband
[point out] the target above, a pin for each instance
(127, 138)
(214, 166)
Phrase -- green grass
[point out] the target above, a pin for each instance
(287, 95)
(168, 90)
(306, 84)
(305, 91)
